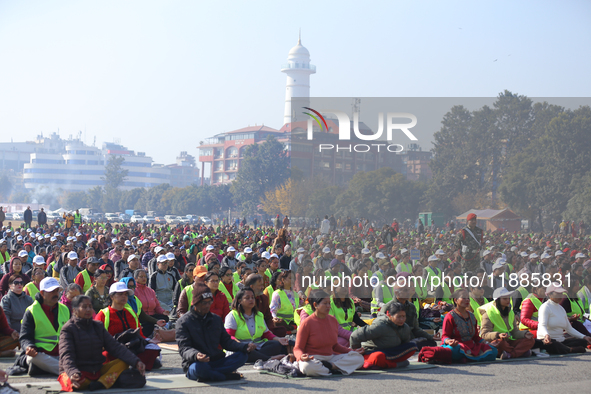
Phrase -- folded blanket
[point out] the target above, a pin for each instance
(435, 355)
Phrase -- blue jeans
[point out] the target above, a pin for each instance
(216, 370)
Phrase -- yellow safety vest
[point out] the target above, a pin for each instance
(235, 291)
(46, 337)
(242, 331)
(387, 294)
(475, 307)
(537, 303)
(406, 267)
(87, 281)
(32, 289)
(285, 311)
(77, 218)
(189, 294)
(496, 319)
(339, 314)
(127, 307)
(270, 291)
(296, 315)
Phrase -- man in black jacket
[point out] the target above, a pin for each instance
(28, 217)
(42, 218)
(199, 335)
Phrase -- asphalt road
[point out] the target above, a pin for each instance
(537, 375)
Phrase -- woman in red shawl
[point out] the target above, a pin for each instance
(460, 333)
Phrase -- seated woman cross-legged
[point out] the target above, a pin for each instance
(501, 329)
(317, 348)
(388, 339)
(553, 322)
(460, 332)
(120, 317)
(81, 344)
(247, 325)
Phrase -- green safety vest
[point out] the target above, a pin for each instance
(189, 294)
(475, 307)
(575, 309)
(524, 293)
(446, 294)
(107, 313)
(330, 275)
(286, 310)
(270, 291)
(406, 267)
(386, 292)
(236, 277)
(582, 294)
(269, 274)
(417, 306)
(32, 289)
(87, 281)
(537, 303)
(242, 331)
(495, 318)
(339, 314)
(46, 337)
(296, 315)
(223, 289)
(77, 218)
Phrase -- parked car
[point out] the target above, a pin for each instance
(159, 219)
(193, 219)
(113, 218)
(124, 218)
(205, 220)
(172, 219)
(149, 219)
(17, 216)
(136, 219)
(9, 216)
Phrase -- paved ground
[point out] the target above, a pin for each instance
(539, 375)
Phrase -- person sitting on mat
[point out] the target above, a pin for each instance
(460, 332)
(553, 322)
(202, 339)
(82, 364)
(388, 334)
(501, 329)
(317, 348)
(247, 325)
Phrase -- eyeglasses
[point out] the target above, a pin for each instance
(214, 280)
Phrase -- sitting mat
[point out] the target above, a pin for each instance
(165, 382)
(412, 366)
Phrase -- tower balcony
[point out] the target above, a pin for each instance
(297, 66)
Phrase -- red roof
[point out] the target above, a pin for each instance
(253, 129)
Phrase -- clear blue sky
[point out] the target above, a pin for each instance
(163, 75)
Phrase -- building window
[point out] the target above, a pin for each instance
(231, 165)
(232, 152)
(218, 166)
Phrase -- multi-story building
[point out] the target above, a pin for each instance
(223, 152)
(416, 163)
(71, 165)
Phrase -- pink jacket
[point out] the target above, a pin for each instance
(150, 304)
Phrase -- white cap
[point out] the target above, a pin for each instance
(23, 253)
(50, 284)
(209, 247)
(231, 249)
(380, 255)
(158, 249)
(501, 292)
(170, 256)
(326, 249)
(131, 257)
(403, 251)
(53, 239)
(523, 254)
(558, 253)
(47, 236)
(274, 256)
(162, 259)
(580, 256)
(247, 250)
(439, 252)
(513, 248)
(40, 237)
(433, 258)
(117, 287)
(365, 251)
(56, 234)
(170, 244)
(73, 255)
(266, 255)
(114, 240)
(19, 238)
(486, 253)
(78, 234)
(533, 256)
(301, 250)
(500, 263)
(33, 235)
(128, 243)
(338, 252)
(91, 240)
(29, 230)
(38, 260)
(545, 255)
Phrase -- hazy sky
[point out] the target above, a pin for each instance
(163, 75)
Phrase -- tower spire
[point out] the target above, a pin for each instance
(300, 37)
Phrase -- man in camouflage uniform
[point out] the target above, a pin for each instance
(469, 243)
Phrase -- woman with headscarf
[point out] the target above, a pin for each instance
(110, 274)
(137, 306)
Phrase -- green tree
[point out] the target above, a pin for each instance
(74, 200)
(114, 173)
(130, 198)
(264, 167)
(94, 198)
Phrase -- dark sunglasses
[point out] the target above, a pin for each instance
(16, 283)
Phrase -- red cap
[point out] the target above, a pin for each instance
(471, 216)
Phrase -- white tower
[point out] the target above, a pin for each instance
(298, 70)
